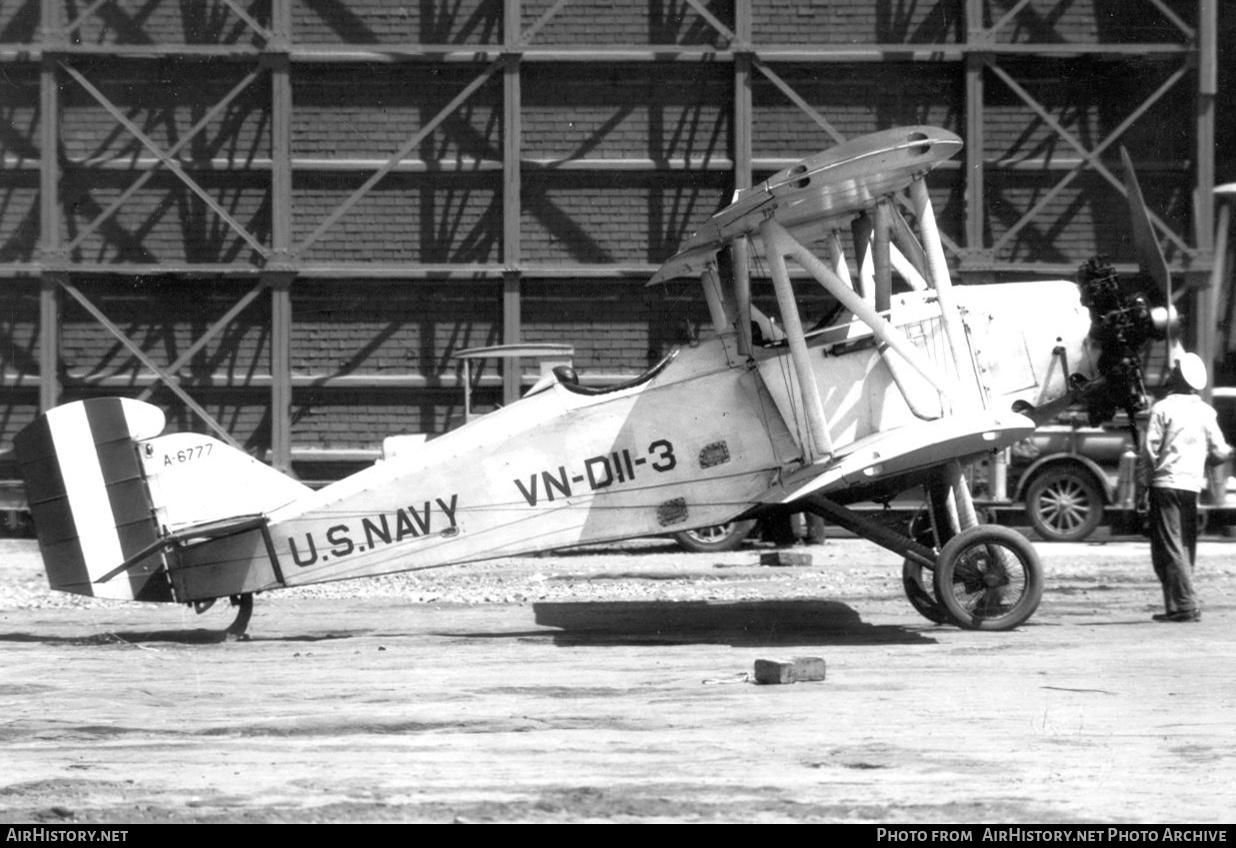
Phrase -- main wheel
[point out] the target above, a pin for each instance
(917, 579)
(921, 593)
(715, 538)
(1064, 504)
(989, 578)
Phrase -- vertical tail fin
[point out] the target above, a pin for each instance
(109, 494)
(89, 499)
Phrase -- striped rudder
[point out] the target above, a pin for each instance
(89, 498)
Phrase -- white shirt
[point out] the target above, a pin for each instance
(1182, 433)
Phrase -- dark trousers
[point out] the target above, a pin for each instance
(1173, 545)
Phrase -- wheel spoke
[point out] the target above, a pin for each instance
(989, 580)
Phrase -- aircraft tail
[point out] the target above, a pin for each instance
(90, 504)
(107, 493)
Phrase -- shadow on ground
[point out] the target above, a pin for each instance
(739, 624)
(195, 636)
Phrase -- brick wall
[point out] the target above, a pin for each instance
(370, 110)
(242, 413)
(428, 218)
(1088, 217)
(362, 419)
(1092, 21)
(613, 111)
(380, 22)
(943, 21)
(19, 92)
(19, 217)
(19, 22)
(615, 218)
(386, 329)
(164, 316)
(1089, 98)
(367, 327)
(617, 22)
(853, 21)
(854, 99)
(165, 221)
(479, 22)
(19, 144)
(165, 99)
(397, 329)
(19, 355)
(136, 22)
(621, 329)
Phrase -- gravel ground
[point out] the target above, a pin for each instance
(655, 569)
(591, 686)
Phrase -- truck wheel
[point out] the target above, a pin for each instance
(1064, 504)
(715, 538)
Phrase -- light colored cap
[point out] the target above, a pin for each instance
(1193, 371)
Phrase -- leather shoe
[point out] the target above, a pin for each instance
(1179, 617)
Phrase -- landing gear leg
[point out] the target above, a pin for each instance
(986, 577)
(916, 547)
(950, 510)
(244, 611)
(917, 575)
(989, 578)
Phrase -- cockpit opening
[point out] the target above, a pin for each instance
(568, 378)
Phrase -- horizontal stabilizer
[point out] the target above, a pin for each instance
(189, 535)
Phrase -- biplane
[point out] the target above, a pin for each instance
(905, 380)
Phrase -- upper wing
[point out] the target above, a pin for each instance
(837, 183)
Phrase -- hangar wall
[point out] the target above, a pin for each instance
(278, 219)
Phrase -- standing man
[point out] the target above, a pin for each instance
(1182, 440)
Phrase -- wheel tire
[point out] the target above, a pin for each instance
(1064, 504)
(918, 585)
(921, 592)
(715, 538)
(989, 578)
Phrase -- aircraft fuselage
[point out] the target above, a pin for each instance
(701, 441)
